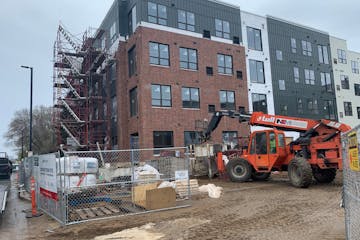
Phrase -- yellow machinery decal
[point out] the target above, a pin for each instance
(353, 152)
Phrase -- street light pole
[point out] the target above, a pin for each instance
(31, 103)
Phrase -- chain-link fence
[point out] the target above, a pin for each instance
(104, 184)
(351, 188)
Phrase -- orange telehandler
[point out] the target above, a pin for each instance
(316, 153)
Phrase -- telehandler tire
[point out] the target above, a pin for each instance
(239, 170)
(300, 172)
(324, 175)
(260, 176)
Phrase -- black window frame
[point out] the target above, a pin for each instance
(257, 75)
(299, 106)
(258, 105)
(355, 67)
(358, 112)
(254, 38)
(312, 105)
(227, 105)
(221, 32)
(223, 69)
(133, 102)
(341, 56)
(186, 25)
(162, 141)
(188, 63)
(357, 89)
(348, 109)
(345, 83)
(227, 138)
(192, 102)
(329, 108)
(159, 57)
(157, 18)
(132, 61)
(293, 45)
(161, 100)
(296, 72)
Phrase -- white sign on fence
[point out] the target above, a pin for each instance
(47, 176)
(182, 175)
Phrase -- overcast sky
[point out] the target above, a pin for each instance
(28, 30)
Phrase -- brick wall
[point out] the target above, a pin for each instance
(176, 118)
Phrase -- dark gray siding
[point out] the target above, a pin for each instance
(205, 14)
(280, 34)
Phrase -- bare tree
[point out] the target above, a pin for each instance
(43, 131)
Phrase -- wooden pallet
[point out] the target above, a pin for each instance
(89, 213)
(182, 187)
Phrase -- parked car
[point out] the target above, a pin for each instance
(5, 166)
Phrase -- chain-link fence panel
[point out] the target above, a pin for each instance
(104, 184)
(351, 188)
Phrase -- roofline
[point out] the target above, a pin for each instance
(115, 2)
(357, 53)
(254, 14)
(297, 24)
(225, 4)
(338, 38)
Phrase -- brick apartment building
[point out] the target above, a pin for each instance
(155, 69)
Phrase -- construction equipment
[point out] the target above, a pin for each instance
(316, 153)
(5, 174)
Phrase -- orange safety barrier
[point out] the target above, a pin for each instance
(220, 163)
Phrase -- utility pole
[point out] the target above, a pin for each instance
(31, 103)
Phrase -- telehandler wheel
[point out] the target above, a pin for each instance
(239, 170)
(300, 172)
(324, 175)
(260, 176)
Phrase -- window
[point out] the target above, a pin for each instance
(358, 112)
(357, 89)
(293, 45)
(133, 102)
(191, 137)
(282, 85)
(163, 139)
(283, 109)
(312, 105)
(259, 102)
(344, 82)
(132, 61)
(307, 48)
(272, 142)
(355, 67)
(113, 32)
(209, 71)
(256, 71)
(329, 109)
(225, 64)
(222, 29)
(300, 107)
(254, 39)
(211, 108)
(161, 95)
(326, 81)
(309, 77)
(190, 97)
(348, 109)
(186, 20)
(341, 56)
(227, 100)
(188, 59)
(279, 55)
(230, 138)
(159, 54)
(296, 75)
(114, 109)
(132, 20)
(157, 13)
(261, 145)
(323, 54)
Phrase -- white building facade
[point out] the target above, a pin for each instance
(347, 81)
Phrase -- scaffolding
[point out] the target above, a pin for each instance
(81, 103)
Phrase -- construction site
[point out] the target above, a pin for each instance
(171, 123)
